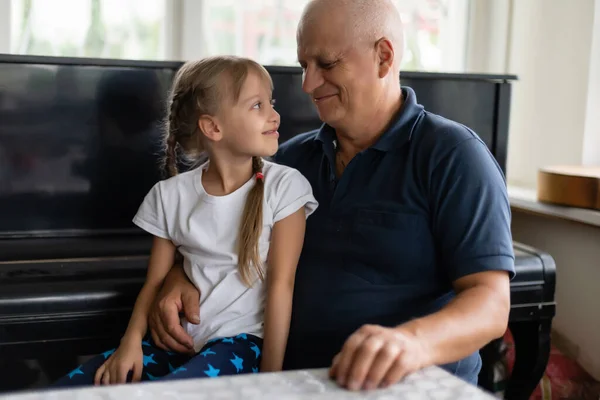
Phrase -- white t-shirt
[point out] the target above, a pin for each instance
(205, 230)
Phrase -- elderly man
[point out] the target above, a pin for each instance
(407, 261)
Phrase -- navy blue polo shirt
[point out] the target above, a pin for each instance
(425, 205)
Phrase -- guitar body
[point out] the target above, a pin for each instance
(575, 186)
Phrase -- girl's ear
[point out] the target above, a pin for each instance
(209, 126)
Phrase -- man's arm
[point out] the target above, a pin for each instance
(470, 215)
(377, 356)
(478, 314)
(177, 295)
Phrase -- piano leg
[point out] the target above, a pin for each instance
(532, 350)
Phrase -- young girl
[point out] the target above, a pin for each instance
(238, 222)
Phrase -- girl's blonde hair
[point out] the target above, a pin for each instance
(200, 88)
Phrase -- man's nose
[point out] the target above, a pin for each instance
(312, 78)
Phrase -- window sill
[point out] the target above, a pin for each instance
(526, 200)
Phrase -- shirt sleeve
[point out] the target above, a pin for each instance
(151, 215)
(290, 193)
(471, 212)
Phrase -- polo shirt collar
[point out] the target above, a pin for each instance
(398, 133)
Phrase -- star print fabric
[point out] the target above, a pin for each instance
(240, 354)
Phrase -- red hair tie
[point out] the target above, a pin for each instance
(259, 175)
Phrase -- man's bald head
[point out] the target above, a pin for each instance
(350, 53)
(362, 21)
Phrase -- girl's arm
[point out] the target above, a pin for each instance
(287, 239)
(162, 257)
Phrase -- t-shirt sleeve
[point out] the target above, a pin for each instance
(151, 214)
(471, 212)
(290, 193)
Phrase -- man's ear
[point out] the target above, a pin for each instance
(385, 56)
(210, 128)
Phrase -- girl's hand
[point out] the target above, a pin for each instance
(129, 356)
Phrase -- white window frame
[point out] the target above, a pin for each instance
(5, 26)
(591, 136)
(172, 29)
(488, 36)
(454, 36)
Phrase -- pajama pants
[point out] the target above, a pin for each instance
(240, 354)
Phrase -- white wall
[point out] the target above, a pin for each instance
(575, 248)
(550, 50)
(554, 48)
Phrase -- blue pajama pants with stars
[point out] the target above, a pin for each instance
(224, 356)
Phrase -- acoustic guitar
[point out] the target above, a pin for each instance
(575, 186)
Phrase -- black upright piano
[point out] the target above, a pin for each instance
(79, 149)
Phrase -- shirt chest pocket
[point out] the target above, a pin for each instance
(390, 247)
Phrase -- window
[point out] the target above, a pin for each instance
(88, 28)
(435, 34)
(261, 29)
(435, 31)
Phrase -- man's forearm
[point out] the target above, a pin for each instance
(471, 320)
(177, 295)
(176, 276)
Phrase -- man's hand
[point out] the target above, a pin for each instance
(375, 356)
(177, 295)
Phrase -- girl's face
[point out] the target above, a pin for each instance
(249, 126)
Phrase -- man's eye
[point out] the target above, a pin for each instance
(326, 65)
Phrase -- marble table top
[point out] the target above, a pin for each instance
(428, 384)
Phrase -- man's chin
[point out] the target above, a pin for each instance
(330, 118)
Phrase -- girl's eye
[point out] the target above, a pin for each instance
(258, 105)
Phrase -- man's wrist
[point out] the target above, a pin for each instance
(415, 332)
(175, 275)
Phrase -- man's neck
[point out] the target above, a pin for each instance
(365, 133)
